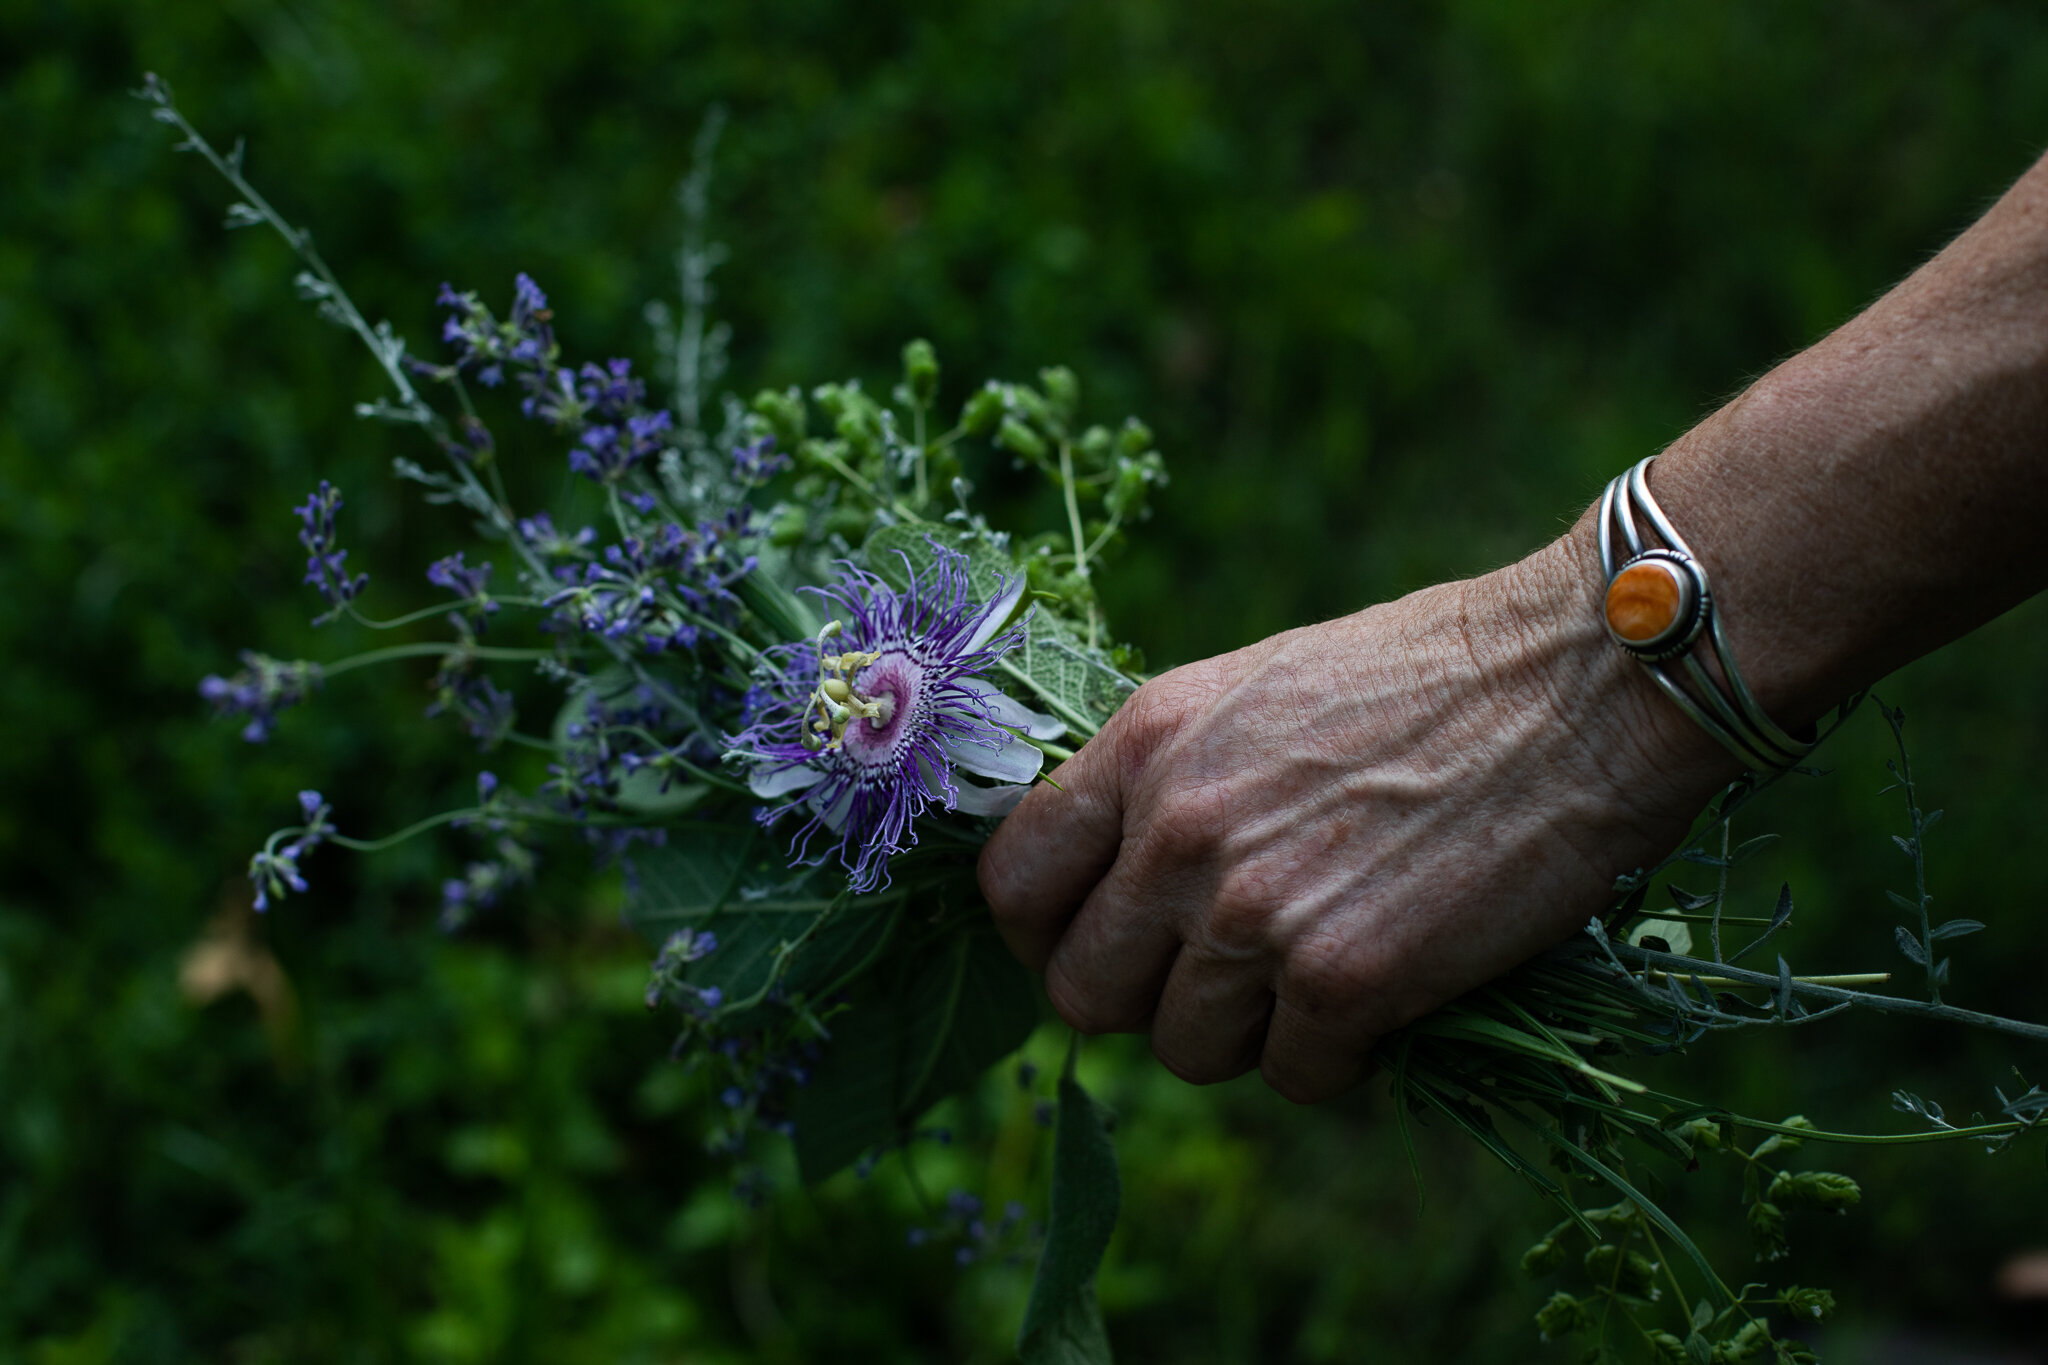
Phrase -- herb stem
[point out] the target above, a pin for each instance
(1080, 540)
(1883, 1004)
(430, 649)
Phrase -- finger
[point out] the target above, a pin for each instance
(1050, 852)
(1210, 1024)
(1310, 1057)
(1108, 968)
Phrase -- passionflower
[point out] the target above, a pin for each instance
(886, 714)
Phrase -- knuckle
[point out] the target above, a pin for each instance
(1160, 710)
(1185, 822)
(1240, 918)
(1326, 980)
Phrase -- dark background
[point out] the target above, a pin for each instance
(1398, 285)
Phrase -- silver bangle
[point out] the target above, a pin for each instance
(1658, 606)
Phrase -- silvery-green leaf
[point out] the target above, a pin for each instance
(1063, 1321)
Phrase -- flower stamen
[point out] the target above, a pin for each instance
(834, 699)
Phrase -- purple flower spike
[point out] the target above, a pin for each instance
(326, 564)
(868, 726)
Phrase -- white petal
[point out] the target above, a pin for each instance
(835, 816)
(1007, 710)
(781, 782)
(979, 800)
(1014, 762)
(998, 616)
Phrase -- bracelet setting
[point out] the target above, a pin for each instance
(1659, 607)
(1657, 604)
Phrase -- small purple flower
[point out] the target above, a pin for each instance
(486, 710)
(326, 566)
(274, 870)
(472, 585)
(459, 578)
(757, 461)
(867, 726)
(264, 687)
(485, 346)
(665, 982)
(482, 883)
(539, 532)
(632, 595)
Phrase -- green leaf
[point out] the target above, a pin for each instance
(688, 877)
(1749, 848)
(849, 1103)
(1910, 946)
(787, 616)
(1077, 683)
(1955, 928)
(1063, 1321)
(890, 549)
(912, 1036)
(972, 1012)
(771, 924)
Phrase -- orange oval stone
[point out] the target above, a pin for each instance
(1643, 602)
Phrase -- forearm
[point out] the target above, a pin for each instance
(1276, 855)
(1884, 491)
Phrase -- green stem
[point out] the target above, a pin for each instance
(426, 613)
(418, 827)
(1916, 849)
(432, 649)
(1721, 887)
(1080, 540)
(1056, 752)
(1883, 1004)
(847, 472)
(924, 495)
(1076, 722)
(1981, 1130)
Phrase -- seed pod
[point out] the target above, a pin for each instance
(1014, 435)
(1767, 1229)
(1062, 392)
(1562, 1316)
(1670, 1350)
(1807, 1303)
(1135, 438)
(785, 415)
(1544, 1257)
(1813, 1190)
(1630, 1272)
(983, 410)
(921, 372)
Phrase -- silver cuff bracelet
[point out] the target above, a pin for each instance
(1658, 606)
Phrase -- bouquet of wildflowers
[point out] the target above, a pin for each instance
(794, 677)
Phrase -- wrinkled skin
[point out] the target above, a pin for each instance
(1272, 857)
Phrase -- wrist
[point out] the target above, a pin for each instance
(1605, 725)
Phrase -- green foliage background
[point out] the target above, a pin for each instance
(1397, 284)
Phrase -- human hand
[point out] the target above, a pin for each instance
(1273, 857)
